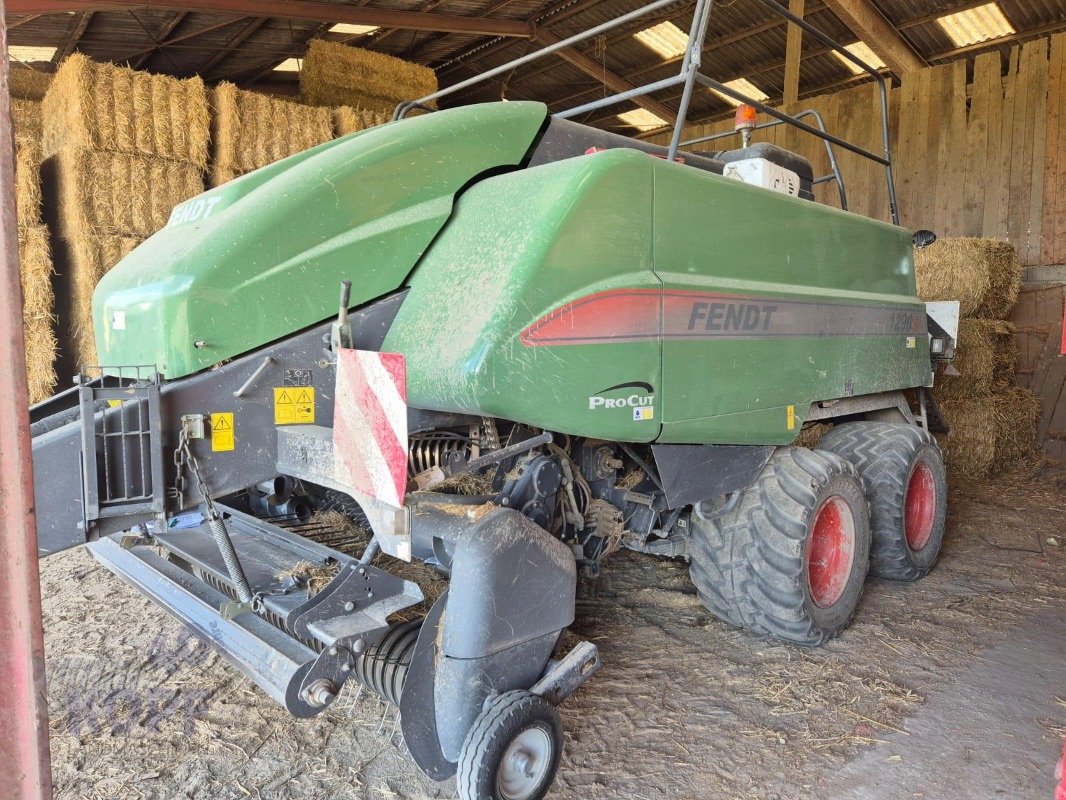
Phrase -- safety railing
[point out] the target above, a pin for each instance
(689, 76)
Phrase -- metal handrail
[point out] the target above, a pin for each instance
(690, 75)
(834, 169)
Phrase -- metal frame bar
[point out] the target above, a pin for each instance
(690, 75)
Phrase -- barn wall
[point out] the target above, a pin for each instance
(984, 160)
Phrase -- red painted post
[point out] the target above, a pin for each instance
(25, 772)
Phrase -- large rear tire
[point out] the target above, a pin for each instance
(906, 483)
(789, 561)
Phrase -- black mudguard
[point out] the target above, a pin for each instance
(511, 594)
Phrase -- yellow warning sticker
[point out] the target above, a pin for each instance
(911, 342)
(222, 432)
(294, 405)
(790, 416)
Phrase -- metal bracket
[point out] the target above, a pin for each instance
(564, 677)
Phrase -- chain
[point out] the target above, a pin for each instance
(183, 458)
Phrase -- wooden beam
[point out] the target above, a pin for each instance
(793, 48)
(313, 10)
(74, 38)
(613, 81)
(164, 32)
(19, 22)
(870, 25)
(232, 44)
(558, 13)
(260, 71)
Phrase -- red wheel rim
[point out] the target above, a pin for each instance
(919, 511)
(832, 551)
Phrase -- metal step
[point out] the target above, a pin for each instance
(300, 646)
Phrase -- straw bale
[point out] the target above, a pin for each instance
(1018, 415)
(27, 84)
(38, 309)
(990, 433)
(1005, 279)
(251, 130)
(352, 120)
(88, 259)
(105, 107)
(986, 358)
(982, 274)
(119, 193)
(28, 181)
(334, 74)
(26, 116)
(970, 447)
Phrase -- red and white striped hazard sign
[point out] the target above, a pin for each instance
(370, 424)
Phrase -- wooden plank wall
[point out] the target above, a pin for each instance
(988, 159)
(1038, 320)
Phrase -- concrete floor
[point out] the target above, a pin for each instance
(986, 735)
(950, 688)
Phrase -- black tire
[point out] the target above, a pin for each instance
(902, 467)
(751, 567)
(481, 775)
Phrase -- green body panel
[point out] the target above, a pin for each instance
(525, 244)
(519, 245)
(259, 258)
(714, 234)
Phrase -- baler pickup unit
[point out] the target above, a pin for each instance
(301, 644)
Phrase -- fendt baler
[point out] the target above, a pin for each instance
(551, 342)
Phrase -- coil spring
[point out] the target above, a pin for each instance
(382, 668)
(427, 450)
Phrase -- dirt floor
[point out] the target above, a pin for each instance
(684, 707)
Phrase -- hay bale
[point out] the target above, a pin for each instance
(26, 117)
(982, 274)
(251, 130)
(28, 181)
(1005, 279)
(352, 120)
(38, 309)
(112, 193)
(990, 433)
(28, 84)
(970, 447)
(92, 106)
(334, 74)
(1017, 419)
(986, 358)
(87, 259)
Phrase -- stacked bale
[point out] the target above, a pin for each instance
(123, 148)
(35, 258)
(333, 74)
(24, 83)
(993, 423)
(250, 130)
(352, 120)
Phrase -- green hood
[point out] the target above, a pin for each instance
(262, 257)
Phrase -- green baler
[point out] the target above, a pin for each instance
(551, 343)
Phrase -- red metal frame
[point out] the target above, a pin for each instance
(25, 772)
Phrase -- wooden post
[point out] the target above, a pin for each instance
(793, 46)
(25, 772)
